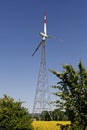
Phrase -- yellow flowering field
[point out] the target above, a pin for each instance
(48, 125)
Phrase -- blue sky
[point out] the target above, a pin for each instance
(20, 24)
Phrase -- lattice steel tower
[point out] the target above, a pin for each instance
(42, 96)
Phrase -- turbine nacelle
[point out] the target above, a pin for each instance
(43, 35)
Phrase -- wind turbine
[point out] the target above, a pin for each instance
(44, 35)
(42, 96)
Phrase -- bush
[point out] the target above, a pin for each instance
(13, 116)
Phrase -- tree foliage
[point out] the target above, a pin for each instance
(72, 92)
(59, 115)
(55, 115)
(45, 116)
(13, 116)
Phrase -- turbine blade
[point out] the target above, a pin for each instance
(45, 28)
(61, 40)
(37, 47)
(51, 37)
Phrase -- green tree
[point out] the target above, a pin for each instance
(45, 115)
(13, 116)
(55, 115)
(72, 92)
(59, 115)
